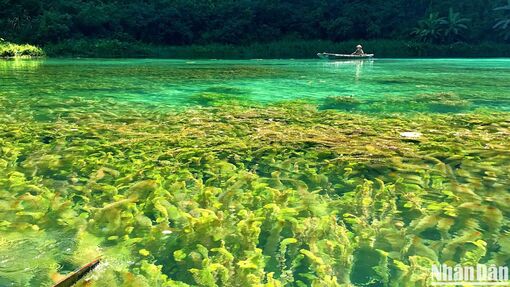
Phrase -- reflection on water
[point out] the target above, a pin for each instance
(20, 64)
(359, 66)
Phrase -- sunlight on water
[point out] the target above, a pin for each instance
(481, 83)
(238, 173)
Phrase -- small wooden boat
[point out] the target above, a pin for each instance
(75, 276)
(330, 56)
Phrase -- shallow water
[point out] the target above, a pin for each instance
(480, 82)
(242, 173)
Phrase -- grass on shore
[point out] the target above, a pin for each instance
(298, 49)
(11, 50)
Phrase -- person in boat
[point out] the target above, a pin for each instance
(359, 51)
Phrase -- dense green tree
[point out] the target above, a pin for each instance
(183, 22)
(503, 23)
(430, 29)
(454, 26)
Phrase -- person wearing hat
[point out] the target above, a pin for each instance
(359, 50)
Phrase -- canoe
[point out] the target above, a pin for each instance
(75, 276)
(331, 56)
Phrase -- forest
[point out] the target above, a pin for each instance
(245, 22)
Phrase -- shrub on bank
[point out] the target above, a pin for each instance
(299, 49)
(10, 50)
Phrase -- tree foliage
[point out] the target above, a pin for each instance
(454, 26)
(184, 22)
(436, 29)
(430, 29)
(503, 23)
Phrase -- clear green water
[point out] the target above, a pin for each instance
(482, 82)
(252, 173)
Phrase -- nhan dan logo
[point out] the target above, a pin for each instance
(479, 275)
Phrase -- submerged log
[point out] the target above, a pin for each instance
(75, 276)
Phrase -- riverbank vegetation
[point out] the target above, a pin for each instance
(297, 49)
(259, 29)
(10, 50)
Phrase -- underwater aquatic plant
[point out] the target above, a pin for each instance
(341, 103)
(240, 195)
(443, 102)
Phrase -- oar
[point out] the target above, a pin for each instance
(75, 276)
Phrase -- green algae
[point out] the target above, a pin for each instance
(234, 194)
(443, 102)
(423, 103)
(347, 103)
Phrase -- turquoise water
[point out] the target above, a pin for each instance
(252, 173)
(482, 82)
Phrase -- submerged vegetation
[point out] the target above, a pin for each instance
(225, 194)
(434, 103)
(10, 50)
